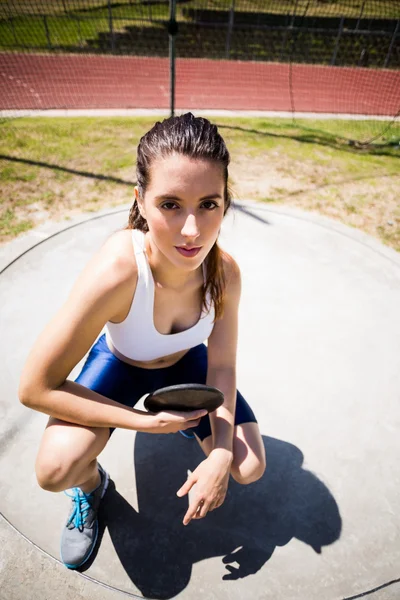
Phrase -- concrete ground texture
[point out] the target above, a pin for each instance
(318, 361)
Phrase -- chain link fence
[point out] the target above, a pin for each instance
(335, 56)
(358, 33)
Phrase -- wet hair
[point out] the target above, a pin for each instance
(194, 137)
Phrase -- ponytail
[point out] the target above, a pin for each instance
(216, 281)
(135, 220)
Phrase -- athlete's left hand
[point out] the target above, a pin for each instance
(211, 478)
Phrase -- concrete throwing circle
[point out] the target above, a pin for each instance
(318, 361)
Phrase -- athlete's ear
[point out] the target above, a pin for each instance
(139, 202)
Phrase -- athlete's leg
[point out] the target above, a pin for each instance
(68, 451)
(67, 456)
(249, 461)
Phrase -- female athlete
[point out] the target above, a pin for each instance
(161, 287)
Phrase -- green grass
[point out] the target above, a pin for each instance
(83, 140)
(10, 226)
(89, 163)
(314, 134)
(67, 7)
(384, 8)
(372, 8)
(72, 29)
(30, 32)
(58, 24)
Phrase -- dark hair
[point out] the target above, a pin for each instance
(194, 137)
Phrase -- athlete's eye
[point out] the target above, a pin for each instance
(210, 205)
(169, 205)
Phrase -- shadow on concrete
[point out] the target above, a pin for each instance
(250, 213)
(157, 551)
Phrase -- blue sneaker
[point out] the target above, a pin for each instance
(187, 434)
(80, 533)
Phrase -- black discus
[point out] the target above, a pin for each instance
(184, 397)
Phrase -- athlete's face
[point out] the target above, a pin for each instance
(184, 208)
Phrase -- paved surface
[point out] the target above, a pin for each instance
(44, 81)
(151, 112)
(319, 362)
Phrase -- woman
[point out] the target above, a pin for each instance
(161, 287)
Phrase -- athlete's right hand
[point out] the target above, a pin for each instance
(171, 421)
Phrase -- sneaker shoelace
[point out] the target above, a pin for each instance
(81, 508)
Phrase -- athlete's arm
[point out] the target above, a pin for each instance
(212, 475)
(94, 299)
(222, 348)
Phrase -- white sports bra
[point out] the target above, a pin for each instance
(136, 337)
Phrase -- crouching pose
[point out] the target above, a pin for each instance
(160, 288)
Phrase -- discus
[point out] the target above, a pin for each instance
(184, 397)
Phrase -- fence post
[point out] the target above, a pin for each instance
(47, 32)
(80, 33)
(13, 30)
(110, 24)
(172, 31)
(286, 35)
(360, 15)
(385, 64)
(230, 28)
(334, 55)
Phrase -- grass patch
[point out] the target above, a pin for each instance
(139, 29)
(54, 168)
(10, 226)
(34, 32)
(383, 9)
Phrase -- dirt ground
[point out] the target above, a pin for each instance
(369, 202)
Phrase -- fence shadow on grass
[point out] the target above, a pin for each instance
(53, 167)
(309, 135)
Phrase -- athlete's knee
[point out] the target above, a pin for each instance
(54, 468)
(249, 471)
(64, 456)
(51, 474)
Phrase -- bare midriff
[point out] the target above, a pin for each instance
(158, 363)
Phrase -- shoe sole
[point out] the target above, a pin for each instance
(107, 479)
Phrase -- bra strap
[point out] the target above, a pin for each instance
(138, 241)
(144, 272)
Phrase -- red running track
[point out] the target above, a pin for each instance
(38, 81)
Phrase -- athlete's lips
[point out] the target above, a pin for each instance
(188, 250)
(189, 247)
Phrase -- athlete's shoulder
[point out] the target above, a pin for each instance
(230, 266)
(232, 273)
(116, 256)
